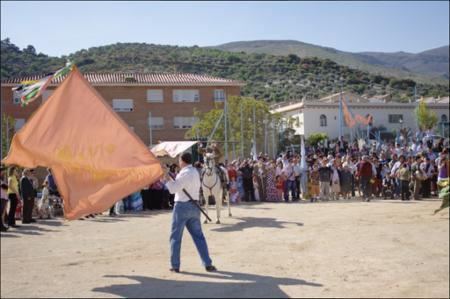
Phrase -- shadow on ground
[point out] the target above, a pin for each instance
(225, 284)
(26, 229)
(251, 222)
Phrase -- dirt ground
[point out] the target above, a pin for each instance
(331, 249)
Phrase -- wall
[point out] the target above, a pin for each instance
(380, 112)
(138, 118)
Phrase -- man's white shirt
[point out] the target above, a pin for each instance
(189, 179)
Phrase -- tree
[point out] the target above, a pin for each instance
(30, 50)
(207, 121)
(7, 133)
(315, 138)
(427, 119)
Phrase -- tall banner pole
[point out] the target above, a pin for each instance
(226, 130)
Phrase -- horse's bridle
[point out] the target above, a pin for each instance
(209, 169)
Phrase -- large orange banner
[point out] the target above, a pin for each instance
(94, 156)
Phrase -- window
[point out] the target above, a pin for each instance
(19, 124)
(156, 122)
(395, 118)
(155, 95)
(183, 122)
(219, 95)
(323, 120)
(186, 95)
(46, 94)
(444, 118)
(16, 98)
(120, 105)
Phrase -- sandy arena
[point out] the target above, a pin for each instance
(331, 249)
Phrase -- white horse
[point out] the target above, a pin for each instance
(212, 186)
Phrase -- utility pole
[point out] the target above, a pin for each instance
(150, 128)
(242, 133)
(340, 115)
(273, 139)
(265, 135)
(254, 131)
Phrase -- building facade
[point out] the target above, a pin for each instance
(323, 115)
(157, 107)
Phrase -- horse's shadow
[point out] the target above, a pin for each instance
(225, 284)
(251, 222)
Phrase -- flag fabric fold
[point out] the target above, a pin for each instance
(95, 158)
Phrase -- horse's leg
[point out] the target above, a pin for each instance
(218, 204)
(227, 195)
(206, 207)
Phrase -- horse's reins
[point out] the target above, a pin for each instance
(203, 174)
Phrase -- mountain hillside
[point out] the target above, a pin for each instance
(273, 78)
(434, 62)
(428, 66)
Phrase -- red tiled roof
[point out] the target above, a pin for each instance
(147, 79)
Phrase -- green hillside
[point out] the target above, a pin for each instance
(430, 66)
(271, 77)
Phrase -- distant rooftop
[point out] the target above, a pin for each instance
(353, 98)
(148, 79)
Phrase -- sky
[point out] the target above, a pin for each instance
(61, 28)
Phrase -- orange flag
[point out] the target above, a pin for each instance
(95, 158)
(349, 120)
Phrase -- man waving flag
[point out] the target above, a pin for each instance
(94, 156)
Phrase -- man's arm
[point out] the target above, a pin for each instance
(177, 184)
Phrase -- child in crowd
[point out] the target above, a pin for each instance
(280, 187)
(404, 174)
(314, 183)
(256, 187)
(234, 194)
(44, 209)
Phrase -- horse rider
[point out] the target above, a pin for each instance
(217, 154)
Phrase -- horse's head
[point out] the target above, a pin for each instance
(209, 162)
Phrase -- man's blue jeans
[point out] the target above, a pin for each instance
(187, 214)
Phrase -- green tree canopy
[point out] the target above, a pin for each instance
(427, 119)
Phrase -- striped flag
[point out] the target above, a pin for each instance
(28, 91)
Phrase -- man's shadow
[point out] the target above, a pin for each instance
(250, 222)
(231, 284)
